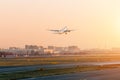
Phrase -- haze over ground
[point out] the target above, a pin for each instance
(97, 23)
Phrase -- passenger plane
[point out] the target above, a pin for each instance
(64, 30)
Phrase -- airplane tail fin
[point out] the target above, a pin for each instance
(65, 28)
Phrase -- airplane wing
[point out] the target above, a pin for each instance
(69, 30)
(54, 30)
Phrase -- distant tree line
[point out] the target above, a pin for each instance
(4, 54)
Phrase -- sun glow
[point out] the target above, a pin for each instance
(117, 27)
(117, 23)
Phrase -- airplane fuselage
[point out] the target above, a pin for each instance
(62, 31)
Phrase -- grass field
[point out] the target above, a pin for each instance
(55, 60)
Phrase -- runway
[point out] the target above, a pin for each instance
(110, 74)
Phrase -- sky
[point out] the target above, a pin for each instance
(96, 23)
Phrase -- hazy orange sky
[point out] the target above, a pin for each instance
(97, 23)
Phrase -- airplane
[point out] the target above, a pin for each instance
(64, 30)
